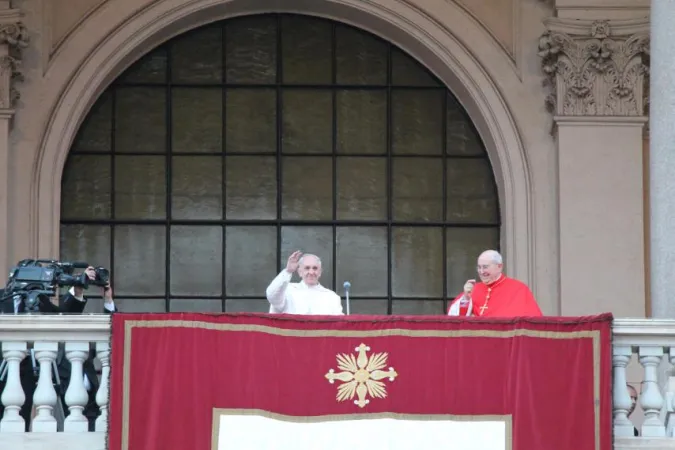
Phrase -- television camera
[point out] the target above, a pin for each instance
(37, 280)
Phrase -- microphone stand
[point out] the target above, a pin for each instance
(347, 286)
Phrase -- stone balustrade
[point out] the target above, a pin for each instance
(43, 340)
(645, 348)
(643, 351)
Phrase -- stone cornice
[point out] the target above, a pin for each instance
(596, 68)
(55, 327)
(605, 121)
(576, 27)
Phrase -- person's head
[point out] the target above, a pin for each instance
(309, 269)
(633, 398)
(490, 265)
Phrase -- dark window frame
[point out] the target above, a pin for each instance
(279, 222)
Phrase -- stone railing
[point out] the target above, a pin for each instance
(56, 344)
(643, 355)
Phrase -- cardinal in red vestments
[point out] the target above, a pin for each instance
(496, 295)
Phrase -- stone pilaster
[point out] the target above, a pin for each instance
(596, 73)
(662, 160)
(13, 38)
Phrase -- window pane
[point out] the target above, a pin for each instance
(472, 195)
(197, 56)
(196, 260)
(151, 68)
(95, 134)
(306, 50)
(140, 265)
(361, 57)
(371, 307)
(418, 189)
(140, 120)
(464, 245)
(251, 187)
(197, 187)
(196, 120)
(132, 305)
(251, 121)
(417, 122)
(315, 240)
(86, 186)
(307, 188)
(259, 305)
(196, 305)
(361, 122)
(361, 188)
(251, 254)
(462, 138)
(417, 262)
(251, 50)
(140, 187)
(417, 307)
(362, 259)
(90, 243)
(406, 71)
(308, 123)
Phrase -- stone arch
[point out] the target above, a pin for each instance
(126, 32)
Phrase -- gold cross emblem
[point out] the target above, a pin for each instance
(361, 376)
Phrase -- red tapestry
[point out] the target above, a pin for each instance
(549, 378)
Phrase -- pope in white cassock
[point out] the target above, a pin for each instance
(307, 297)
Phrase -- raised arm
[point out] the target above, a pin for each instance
(276, 291)
(455, 305)
(108, 302)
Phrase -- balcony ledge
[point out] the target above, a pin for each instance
(644, 443)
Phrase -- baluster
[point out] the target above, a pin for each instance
(103, 355)
(670, 396)
(651, 399)
(44, 397)
(622, 402)
(76, 394)
(13, 396)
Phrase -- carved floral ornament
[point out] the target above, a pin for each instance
(13, 37)
(596, 73)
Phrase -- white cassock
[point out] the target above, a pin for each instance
(299, 298)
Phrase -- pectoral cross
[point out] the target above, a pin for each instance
(485, 305)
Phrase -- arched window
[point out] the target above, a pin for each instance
(212, 158)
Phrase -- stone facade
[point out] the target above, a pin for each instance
(495, 57)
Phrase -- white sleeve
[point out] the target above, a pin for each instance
(276, 291)
(454, 307)
(338, 307)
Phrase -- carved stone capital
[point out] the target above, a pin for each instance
(596, 68)
(13, 38)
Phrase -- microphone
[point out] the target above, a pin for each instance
(347, 285)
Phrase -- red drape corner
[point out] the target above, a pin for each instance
(169, 371)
